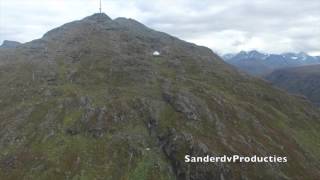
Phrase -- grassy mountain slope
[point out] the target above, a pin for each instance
(89, 101)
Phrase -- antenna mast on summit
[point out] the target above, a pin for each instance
(100, 9)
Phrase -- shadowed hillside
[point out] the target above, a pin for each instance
(302, 80)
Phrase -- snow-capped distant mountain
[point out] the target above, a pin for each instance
(257, 63)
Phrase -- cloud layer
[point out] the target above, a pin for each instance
(224, 26)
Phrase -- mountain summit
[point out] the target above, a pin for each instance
(89, 100)
(98, 17)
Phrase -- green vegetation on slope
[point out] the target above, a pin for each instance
(89, 101)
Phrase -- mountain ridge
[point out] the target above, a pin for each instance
(9, 44)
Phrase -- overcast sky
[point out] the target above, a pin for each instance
(224, 26)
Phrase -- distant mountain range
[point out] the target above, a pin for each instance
(257, 63)
(302, 80)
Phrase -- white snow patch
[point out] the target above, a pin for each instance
(156, 53)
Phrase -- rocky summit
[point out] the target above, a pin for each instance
(90, 100)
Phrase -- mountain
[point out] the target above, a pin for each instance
(89, 100)
(300, 80)
(257, 64)
(9, 44)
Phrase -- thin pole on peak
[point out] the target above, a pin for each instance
(100, 9)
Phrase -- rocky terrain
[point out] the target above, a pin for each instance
(260, 64)
(300, 80)
(89, 100)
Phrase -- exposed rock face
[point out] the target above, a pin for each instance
(303, 80)
(90, 101)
